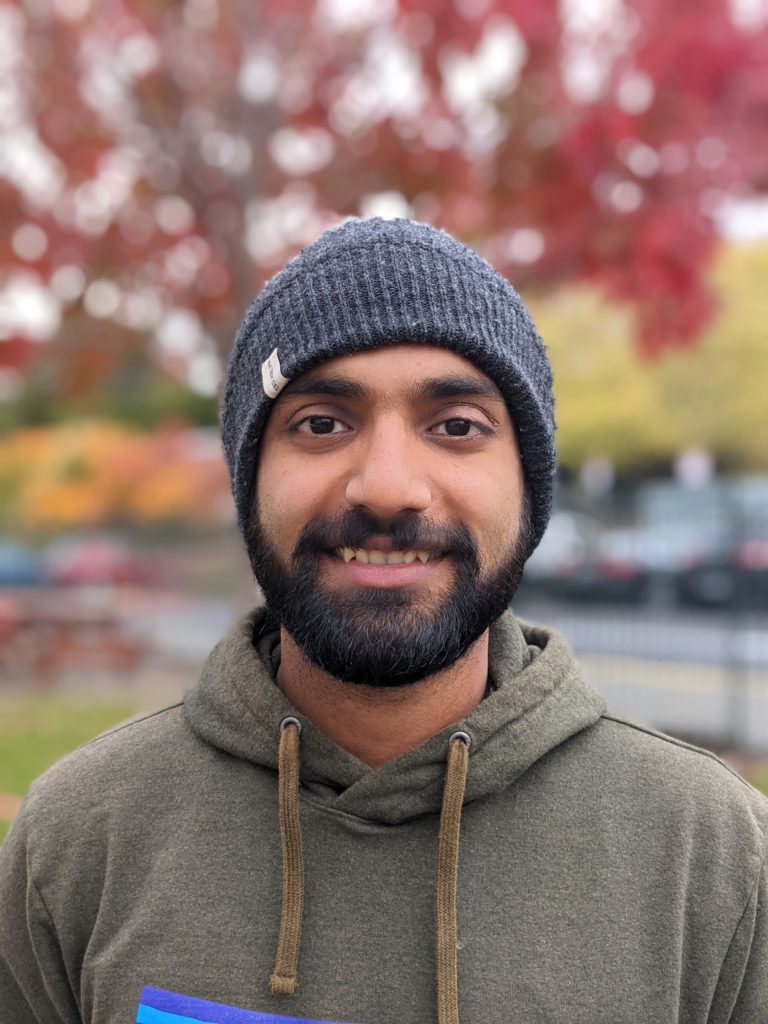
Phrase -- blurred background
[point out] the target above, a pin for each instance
(160, 161)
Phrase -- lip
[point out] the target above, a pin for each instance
(370, 575)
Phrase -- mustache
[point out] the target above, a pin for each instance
(353, 527)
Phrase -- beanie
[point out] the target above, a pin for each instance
(370, 283)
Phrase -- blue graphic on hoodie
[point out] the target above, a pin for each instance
(157, 1006)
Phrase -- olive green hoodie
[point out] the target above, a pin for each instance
(606, 873)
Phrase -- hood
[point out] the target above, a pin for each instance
(541, 699)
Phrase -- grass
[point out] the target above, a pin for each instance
(36, 730)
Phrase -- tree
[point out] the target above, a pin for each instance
(643, 415)
(162, 160)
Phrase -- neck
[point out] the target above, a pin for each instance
(377, 724)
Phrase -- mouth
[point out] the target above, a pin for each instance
(377, 557)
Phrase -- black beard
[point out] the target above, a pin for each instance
(380, 636)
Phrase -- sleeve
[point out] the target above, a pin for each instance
(34, 985)
(741, 996)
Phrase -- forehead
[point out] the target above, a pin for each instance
(395, 370)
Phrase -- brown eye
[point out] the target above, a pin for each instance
(457, 427)
(320, 425)
(461, 426)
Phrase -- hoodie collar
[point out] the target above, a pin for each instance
(541, 699)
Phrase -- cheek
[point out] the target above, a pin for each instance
(495, 515)
(290, 494)
(276, 502)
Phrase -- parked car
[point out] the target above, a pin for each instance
(722, 560)
(736, 576)
(609, 575)
(655, 556)
(564, 560)
(577, 561)
(568, 540)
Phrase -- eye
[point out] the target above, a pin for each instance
(318, 425)
(457, 426)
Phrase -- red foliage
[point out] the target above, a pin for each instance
(166, 125)
(16, 353)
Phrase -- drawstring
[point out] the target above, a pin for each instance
(447, 876)
(283, 980)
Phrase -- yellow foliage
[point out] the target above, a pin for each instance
(165, 491)
(91, 473)
(711, 394)
(63, 505)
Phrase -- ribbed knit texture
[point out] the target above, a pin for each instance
(380, 282)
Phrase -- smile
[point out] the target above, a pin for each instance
(375, 557)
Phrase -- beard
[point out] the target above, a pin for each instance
(384, 637)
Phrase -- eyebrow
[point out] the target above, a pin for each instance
(431, 388)
(463, 386)
(336, 387)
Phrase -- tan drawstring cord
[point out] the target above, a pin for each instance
(447, 876)
(283, 980)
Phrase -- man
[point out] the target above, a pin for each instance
(387, 800)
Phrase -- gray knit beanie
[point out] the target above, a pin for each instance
(378, 282)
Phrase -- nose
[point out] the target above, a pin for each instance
(390, 475)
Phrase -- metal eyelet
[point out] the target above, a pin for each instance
(290, 720)
(463, 736)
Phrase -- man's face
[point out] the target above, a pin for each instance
(387, 534)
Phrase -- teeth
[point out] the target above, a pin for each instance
(382, 557)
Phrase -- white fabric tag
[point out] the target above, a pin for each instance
(272, 377)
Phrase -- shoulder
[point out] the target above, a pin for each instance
(648, 749)
(132, 764)
(138, 740)
(675, 785)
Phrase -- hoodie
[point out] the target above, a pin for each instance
(600, 872)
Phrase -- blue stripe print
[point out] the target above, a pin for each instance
(157, 1006)
(147, 1015)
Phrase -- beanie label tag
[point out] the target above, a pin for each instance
(272, 377)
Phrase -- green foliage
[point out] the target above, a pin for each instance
(164, 400)
(160, 401)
